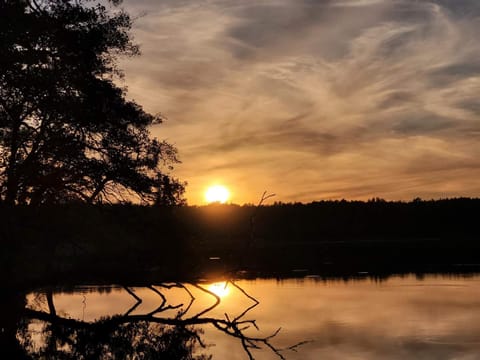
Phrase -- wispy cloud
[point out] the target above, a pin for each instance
(315, 99)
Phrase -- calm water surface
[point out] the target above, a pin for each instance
(435, 317)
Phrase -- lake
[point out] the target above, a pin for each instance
(398, 317)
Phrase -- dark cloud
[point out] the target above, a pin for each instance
(286, 28)
(267, 25)
(417, 123)
(452, 74)
(397, 98)
(472, 105)
(435, 164)
(461, 8)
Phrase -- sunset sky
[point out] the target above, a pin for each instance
(313, 99)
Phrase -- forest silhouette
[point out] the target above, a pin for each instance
(116, 241)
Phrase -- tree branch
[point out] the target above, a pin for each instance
(234, 328)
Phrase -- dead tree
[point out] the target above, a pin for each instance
(68, 331)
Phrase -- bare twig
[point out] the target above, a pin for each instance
(255, 302)
(217, 300)
(162, 304)
(137, 304)
(265, 196)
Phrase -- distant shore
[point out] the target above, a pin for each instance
(80, 242)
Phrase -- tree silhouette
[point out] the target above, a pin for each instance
(67, 131)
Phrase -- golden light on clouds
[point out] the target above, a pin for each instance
(217, 193)
(314, 100)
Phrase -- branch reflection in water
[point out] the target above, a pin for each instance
(171, 330)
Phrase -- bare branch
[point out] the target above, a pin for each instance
(265, 196)
(137, 304)
(217, 300)
(232, 327)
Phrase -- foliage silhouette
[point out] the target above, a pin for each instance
(67, 131)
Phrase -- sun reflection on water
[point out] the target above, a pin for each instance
(221, 289)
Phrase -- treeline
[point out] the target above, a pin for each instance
(374, 219)
(189, 240)
(343, 237)
(297, 222)
(329, 221)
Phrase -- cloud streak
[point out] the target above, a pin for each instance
(315, 99)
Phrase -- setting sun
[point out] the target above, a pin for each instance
(217, 193)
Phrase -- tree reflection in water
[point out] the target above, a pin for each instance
(44, 334)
